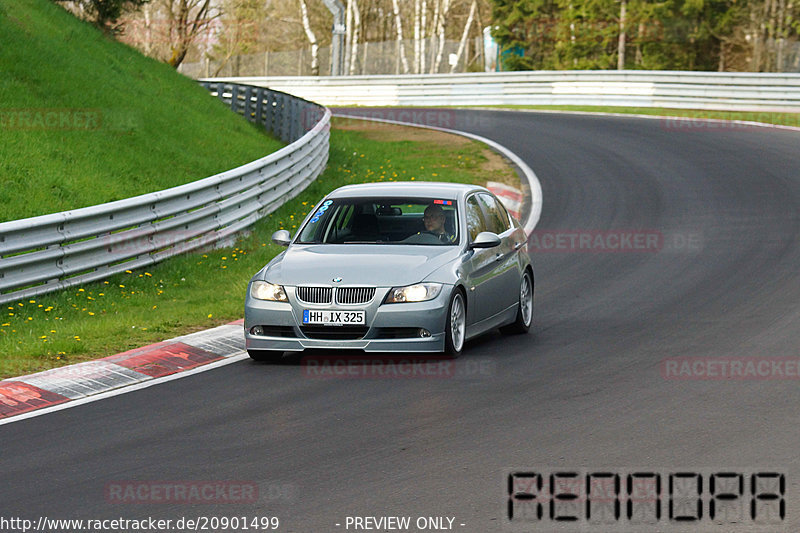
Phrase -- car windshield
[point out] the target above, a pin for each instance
(425, 221)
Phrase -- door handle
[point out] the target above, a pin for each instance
(519, 245)
(499, 257)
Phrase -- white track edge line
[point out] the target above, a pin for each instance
(124, 389)
(767, 125)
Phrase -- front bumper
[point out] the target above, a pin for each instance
(389, 327)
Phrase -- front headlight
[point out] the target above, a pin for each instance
(262, 290)
(418, 292)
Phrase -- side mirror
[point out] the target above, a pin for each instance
(282, 237)
(485, 239)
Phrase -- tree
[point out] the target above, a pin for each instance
(187, 20)
(312, 38)
(104, 14)
(238, 31)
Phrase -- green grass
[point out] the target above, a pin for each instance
(204, 289)
(768, 117)
(86, 120)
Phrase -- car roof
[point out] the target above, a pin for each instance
(425, 189)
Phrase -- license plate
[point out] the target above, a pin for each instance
(334, 318)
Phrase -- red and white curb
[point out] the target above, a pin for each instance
(511, 197)
(148, 365)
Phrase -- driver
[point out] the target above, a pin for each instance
(434, 222)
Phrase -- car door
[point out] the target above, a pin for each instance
(505, 274)
(480, 268)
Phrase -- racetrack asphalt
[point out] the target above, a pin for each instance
(588, 389)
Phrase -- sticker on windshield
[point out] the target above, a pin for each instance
(443, 202)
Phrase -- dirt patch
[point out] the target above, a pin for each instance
(494, 168)
(377, 131)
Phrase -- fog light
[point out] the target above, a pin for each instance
(257, 330)
(424, 333)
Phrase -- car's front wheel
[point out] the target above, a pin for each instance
(456, 328)
(525, 307)
(265, 356)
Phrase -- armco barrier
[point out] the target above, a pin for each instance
(632, 88)
(51, 252)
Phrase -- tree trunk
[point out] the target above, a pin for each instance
(148, 31)
(348, 36)
(623, 7)
(416, 37)
(422, 23)
(640, 37)
(354, 44)
(400, 46)
(311, 39)
(464, 34)
(434, 31)
(441, 28)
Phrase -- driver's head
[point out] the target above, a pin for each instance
(434, 218)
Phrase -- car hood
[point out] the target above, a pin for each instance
(358, 264)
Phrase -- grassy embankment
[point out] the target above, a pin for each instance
(86, 120)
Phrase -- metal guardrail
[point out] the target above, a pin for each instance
(632, 88)
(51, 252)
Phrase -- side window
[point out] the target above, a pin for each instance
(475, 223)
(506, 214)
(496, 218)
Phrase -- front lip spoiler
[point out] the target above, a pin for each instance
(434, 343)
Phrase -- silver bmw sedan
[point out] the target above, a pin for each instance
(393, 267)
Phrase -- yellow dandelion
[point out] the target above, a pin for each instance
(210, 315)
(80, 290)
(91, 314)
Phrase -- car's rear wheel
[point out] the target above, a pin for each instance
(524, 318)
(456, 328)
(265, 356)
